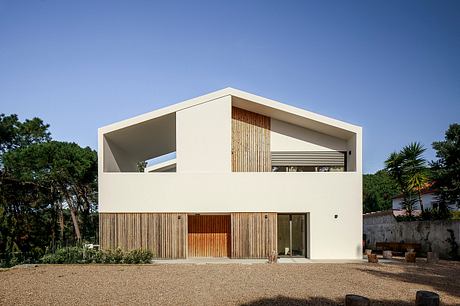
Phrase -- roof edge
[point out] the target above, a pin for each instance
(225, 92)
(165, 110)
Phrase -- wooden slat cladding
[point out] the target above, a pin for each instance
(253, 235)
(164, 234)
(250, 141)
(209, 236)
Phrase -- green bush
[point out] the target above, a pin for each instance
(68, 255)
(80, 255)
(138, 256)
(113, 256)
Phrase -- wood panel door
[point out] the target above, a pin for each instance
(209, 236)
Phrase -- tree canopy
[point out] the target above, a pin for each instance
(48, 189)
(378, 191)
(409, 170)
(446, 170)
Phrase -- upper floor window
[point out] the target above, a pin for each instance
(308, 161)
(307, 169)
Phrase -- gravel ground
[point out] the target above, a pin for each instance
(227, 284)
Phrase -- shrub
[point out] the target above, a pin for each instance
(80, 255)
(113, 256)
(68, 255)
(138, 256)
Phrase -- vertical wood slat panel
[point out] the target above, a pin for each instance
(250, 141)
(164, 234)
(209, 235)
(253, 235)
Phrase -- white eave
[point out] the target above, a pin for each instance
(250, 102)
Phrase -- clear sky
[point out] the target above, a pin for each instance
(392, 67)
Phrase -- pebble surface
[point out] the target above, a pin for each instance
(228, 284)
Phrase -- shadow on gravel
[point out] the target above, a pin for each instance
(441, 277)
(284, 300)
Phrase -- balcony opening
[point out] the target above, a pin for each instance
(152, 141)
(163, 163)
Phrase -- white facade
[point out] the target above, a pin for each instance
(204, 181)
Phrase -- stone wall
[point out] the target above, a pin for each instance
(383, 227)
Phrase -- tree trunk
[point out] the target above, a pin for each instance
(73, 214)
(61, 223)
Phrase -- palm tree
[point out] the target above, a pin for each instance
(414, 169)
(408, 168)
(394, 166)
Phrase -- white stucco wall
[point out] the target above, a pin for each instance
(355, 152)
(203, 137)
(289, 137)
(427, 201)
(321, 194)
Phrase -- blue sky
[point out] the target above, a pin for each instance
(392, 67)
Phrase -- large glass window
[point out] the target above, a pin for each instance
(291, 235)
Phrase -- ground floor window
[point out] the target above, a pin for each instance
(292, 235)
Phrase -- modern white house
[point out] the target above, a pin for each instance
(246, 176)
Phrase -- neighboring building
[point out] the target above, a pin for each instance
(429, 201)
(250, 176)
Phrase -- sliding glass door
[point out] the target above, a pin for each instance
(291, 235)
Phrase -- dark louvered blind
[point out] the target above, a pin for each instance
(310, 158)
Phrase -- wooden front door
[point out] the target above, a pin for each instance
(209, 235)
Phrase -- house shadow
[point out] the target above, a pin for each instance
(284, 300)
(441, 277)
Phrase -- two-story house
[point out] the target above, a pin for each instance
(250, 176)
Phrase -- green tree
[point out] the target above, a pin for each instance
(48, 189)
(415, 169)
(378, 191)
(15, 134)
(68, 170)
(22, 223)
(409, 169)
(446, 169)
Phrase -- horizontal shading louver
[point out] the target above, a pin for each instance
(302, 158)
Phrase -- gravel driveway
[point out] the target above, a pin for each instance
(227, 284)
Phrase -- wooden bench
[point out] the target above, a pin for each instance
(397, 247)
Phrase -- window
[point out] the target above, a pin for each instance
(307, 169)
(308, 161)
